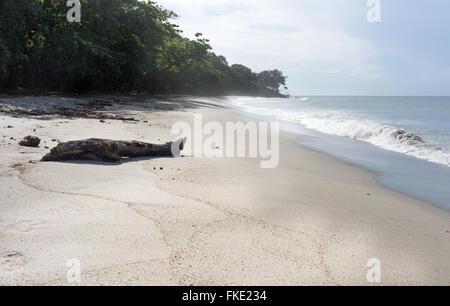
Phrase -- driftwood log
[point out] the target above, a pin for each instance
(111, 150)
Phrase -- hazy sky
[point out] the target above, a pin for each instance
(328, 47)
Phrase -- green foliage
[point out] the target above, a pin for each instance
(271, 80)
(120, 45)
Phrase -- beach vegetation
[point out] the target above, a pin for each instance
(117, 46)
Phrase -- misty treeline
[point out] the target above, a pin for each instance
(119, 46)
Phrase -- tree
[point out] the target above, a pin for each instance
(119, 45)
(243, 78)
(272, 80)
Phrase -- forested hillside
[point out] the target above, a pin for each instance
(119, 46)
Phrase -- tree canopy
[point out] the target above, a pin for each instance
(119, 45)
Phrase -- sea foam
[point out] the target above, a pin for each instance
(381, 135)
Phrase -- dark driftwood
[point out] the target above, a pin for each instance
(111, 150)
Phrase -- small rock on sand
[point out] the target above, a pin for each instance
(30, 141)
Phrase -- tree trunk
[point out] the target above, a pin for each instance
(111, 151)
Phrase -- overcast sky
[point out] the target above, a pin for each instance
(328, 47)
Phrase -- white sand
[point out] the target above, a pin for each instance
(203, 221)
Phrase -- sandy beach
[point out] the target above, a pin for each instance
(313, 220)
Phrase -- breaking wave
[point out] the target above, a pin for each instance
(381, 135)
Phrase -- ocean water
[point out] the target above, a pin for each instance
(406, 140)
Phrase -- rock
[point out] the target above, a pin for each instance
(30, 141)
(409, 138)
(9, 127)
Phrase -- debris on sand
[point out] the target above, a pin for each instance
(111, 150)
(30, 141)
(91, 110)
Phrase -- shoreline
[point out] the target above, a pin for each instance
(377, 174)
(197, 221)
(392, 180)
(395, 173)
(377, 177)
